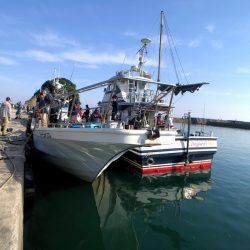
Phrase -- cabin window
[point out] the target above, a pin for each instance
(131, 87)
(141, 86)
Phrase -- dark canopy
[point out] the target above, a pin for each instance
(189, 87)
(178, 88)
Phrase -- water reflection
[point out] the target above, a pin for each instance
(63, 215)
(134, 210)
(118, 211)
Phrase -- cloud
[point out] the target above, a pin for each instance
(7, 61)
(42, 56)
(210, 28)
(85, 56)
(91, 59)
(217, 44)
(79, 56)
(227, 94)
(94, 58)
(131, 34)
(194, 43)
(51, 39)
(82, 57)
(242, 95)
(186, 74)
(7, 80)
(88, 66)
(217, 93)
(243, 70)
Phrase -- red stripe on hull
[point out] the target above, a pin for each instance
(181, 168)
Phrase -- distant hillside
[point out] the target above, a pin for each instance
(68, 86)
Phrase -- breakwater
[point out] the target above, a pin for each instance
(217, 122)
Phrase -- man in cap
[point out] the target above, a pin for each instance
(5, 111)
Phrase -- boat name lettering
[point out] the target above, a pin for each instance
(198, 144)
(45, 135)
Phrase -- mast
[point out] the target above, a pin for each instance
(159, 63)
(159, 59)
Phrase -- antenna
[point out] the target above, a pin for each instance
(142, 51)
(59, 72)
(73, 70)
(54, 80)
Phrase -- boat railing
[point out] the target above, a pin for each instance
(140, 96)
(134, 71)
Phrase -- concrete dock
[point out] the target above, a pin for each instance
(12, 185)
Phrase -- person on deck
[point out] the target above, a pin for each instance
(159, 120)
(5, 112)
(42, 104)
(75, 115)
(169, 120)
(114, 107)
(86, 114)
(74, 108)
(54, 106)
(95, 116)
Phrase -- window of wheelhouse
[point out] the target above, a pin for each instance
(141, 86)
(108, 88)
(131, 86)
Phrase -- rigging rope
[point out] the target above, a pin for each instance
(173, 49)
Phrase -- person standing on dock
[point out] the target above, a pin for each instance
(5, 112)
(18, 110)
(42, 103)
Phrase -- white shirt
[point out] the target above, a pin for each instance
(5, 109)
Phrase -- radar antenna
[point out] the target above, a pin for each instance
(142, 51)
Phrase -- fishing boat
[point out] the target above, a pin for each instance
(140, 105)
(131, 132)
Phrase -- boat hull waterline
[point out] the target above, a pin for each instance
(172, 158)
(87, 152)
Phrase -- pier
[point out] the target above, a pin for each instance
(217, 122)
(12, 160)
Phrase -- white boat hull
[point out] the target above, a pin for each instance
(87, 152)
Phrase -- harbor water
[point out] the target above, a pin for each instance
(121, 210)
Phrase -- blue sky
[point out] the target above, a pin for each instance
(94, 39)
